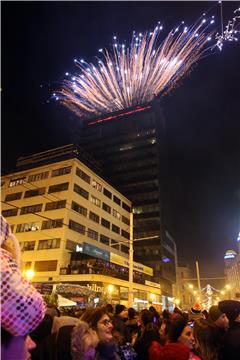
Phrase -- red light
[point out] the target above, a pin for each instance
(137, 109)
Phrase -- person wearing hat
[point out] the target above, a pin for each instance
(118, 321)
(218, 317)
(232, 340)
(22, 306)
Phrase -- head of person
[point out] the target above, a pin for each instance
(101, 323)
(218, 317)
(232, 309)
(84, 341)
(165, 327)
(131, 313)
(22, 306)
(146, 317)
(109, 308)
(166, 314)
(121, 311)
(181, 332)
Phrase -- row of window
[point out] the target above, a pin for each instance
(42, 244)
(62, 187)
(53, 205)
(57, 223)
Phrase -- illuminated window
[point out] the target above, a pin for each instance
(95, 201)
(37, 177)
(116, 214)
(27, 245)
(16, 182)
(32, 226)
(96, 185)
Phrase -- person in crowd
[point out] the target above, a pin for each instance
(231, 349)
(205, 314)
(118, 322)
(149, 336)
(176, 313)
(165, 314)
(22, 306)
(218, 317)
(208, 338)
(84, 341)
(164, 330)
(109, 309)
(132, 326)
(195, 312)
(180, 343)
(101, 323)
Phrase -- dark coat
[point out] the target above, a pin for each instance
(231, 349)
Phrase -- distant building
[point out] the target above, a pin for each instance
(72, 225)
(232, 273)
(130, 146)
(182, 291)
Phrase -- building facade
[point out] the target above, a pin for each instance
(183, 290)
(72, 225)
(130, 146)
(232, 274)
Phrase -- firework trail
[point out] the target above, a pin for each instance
(129, 76)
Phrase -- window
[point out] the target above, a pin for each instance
(126, 207)
(80, 191)
(49, 265)
(49, 244)
(116, 214)
(9, 212)
(37, 177)
(94, 217)
(116, 229)
(31, 209)
(77, 227)
(116, 200)
(115, 244)
(125, 249)
(107, 193)
(34, 192)
(105, 223)
(106, 208)
(27, 245)
(125, 220)
(58, 187)
(53, 205)
(71, 245)
(83, 175)
(79, 208)
(52, 224)
(62, 171)
(125, 234)
(95, 201)
(33, 226)
(15, 196)
(104, 239)
(92, 234)
(16, 182)
(96, 185)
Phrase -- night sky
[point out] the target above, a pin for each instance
(40, 41)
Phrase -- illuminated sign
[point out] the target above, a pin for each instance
(96, 252)
(109, 118)
(117, 259)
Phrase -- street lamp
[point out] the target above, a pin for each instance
(29, 274)
(190, 286)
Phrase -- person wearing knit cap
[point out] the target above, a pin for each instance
(218, 317)
(118, 321)
(22, 306)
(232, 339)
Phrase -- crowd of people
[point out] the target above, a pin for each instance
(31, 329)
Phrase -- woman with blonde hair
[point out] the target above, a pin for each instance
(84, 342)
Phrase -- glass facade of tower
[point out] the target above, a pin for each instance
(129, 144)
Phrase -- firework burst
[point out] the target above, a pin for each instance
(129, 76)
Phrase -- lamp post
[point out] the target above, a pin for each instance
(130, 290)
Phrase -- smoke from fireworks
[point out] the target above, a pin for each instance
(129, 76)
